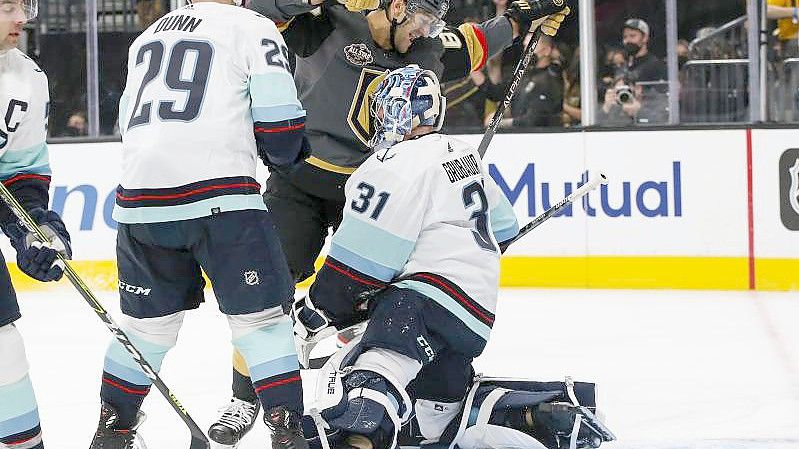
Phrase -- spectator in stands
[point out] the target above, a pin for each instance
(77, 125)
(683, 48)
(539, 99)
(641, 64)
(615, 64)
(624, 105)
(572, 114)
(148, 12)
(787, 14)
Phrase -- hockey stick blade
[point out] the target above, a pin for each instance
(199, 442)
(198, 438)
(577, 194)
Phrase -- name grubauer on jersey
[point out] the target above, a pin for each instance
(426, 214)
(190, 110)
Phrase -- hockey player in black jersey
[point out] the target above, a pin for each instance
(343, 52)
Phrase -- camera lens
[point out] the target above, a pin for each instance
(624, 95)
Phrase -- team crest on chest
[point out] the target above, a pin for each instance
(358, 54)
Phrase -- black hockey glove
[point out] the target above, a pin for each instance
(524, 12)
(37, 260)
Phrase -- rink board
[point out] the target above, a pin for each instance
(683, 209)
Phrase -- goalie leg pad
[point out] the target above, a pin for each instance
(363, 392)
(537, 413)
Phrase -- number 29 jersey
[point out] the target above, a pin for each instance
(200, 82)
(426, 215)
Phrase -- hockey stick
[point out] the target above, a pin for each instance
(577, 194)
(198, 438)
(518, 74)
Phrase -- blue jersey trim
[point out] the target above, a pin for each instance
(373, 244)
(362, 264)
(504, 224)
(25, 160)
(272, 89)
(450, 304)
(198, 209)
(281, 113)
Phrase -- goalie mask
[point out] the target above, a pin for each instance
(18, 10)
(408, 97)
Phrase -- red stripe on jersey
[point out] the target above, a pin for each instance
(189, 193)
(464, 301)
(280, 129)
(14, 179)
(352, 276)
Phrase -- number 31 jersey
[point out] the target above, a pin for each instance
(426, 215)
(199, 79)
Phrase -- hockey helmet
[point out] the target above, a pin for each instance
(18, 10)
(408, 97)
(428, 14)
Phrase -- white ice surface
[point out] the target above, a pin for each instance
(675, 369)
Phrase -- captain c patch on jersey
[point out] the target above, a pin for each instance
(461, 168)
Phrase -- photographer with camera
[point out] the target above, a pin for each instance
(624, 105)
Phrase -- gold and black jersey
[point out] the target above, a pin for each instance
(339, 66)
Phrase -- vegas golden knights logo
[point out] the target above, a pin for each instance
(359, 119)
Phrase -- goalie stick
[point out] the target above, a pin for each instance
(198, 438)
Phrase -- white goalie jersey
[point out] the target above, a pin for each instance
(203, 82)
(426, 215)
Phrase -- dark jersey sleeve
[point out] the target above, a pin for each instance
(30, 189)
(467, 47)
(303, 29)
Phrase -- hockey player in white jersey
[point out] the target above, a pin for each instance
(417, 254)
(208, 92)
(25, 170)
(423, 223)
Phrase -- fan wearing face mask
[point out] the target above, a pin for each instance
(641, 63)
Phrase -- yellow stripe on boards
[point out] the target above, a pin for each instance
(777, 274)
(607, 272)
(710, 273)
